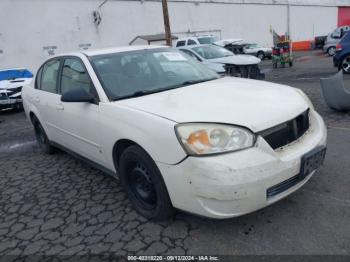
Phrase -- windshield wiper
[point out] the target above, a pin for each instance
(147, 92)
(192, 82)
(136, 94)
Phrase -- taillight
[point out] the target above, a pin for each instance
(339, 47)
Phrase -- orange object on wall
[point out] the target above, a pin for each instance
(343, 16)
(301, 45)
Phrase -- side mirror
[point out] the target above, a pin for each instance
(77, 95)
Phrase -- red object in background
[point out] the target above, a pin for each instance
(343, 16)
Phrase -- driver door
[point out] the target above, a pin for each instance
(80, 122)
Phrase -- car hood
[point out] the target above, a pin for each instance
(217, 67)
(9, 84)
(257, 105)
(236, 60)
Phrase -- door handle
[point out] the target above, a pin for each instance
(59, 107)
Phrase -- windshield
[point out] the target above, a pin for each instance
(212, 51)
(142, 72)
(207, 40)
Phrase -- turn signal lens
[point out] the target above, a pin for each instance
(206, 139)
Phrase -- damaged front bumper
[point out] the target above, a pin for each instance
(234, 184)
(9, 102)
(244, 71)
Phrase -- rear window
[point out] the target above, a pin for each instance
(207, 40)
(346, 39)
(180, 43)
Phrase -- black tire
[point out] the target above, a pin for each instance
(290, 64)
(41, 137)
(261, 55)
(331, 51)
(144, 184)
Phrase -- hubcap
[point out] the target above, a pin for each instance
(331, 51)
(346, 64)
(142, 185)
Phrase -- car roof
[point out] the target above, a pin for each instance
(195, 36)
(191, 46)
(120, 49)
(111, 50)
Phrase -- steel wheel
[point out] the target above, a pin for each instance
(142, 186)
(346, 65)
(331, 51)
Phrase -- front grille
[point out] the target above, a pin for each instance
(12, 91)
(287, 132)
(244, 71)
(283, 186)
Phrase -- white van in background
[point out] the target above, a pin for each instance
(334, 38)
(196, 40)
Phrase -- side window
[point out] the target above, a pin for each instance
(49, 74)
(190, 54)
(180, 43)
(191, 42)
(38, 79)
(75, 76)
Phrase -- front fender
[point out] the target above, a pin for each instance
(156, 135)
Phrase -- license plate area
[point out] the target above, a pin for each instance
(312, 160)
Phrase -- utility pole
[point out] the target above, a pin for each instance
(288, 19)
(166, 23)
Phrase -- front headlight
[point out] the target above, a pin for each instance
(206, 139)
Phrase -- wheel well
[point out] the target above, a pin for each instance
(32, 117)
(118, 149)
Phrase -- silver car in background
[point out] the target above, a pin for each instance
(11, 83)
(224, 62)
(333, 39)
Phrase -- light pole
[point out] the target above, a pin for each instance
(166, 23)
(288, 20)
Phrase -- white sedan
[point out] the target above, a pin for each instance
(174, 133)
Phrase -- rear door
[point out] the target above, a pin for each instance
(80, 121)
(45, 98)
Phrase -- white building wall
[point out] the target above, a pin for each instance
(306, 22)
(26, 26)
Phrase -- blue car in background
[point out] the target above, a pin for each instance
(11, 84)
(341, 59)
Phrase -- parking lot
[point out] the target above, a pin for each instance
(56, 204)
